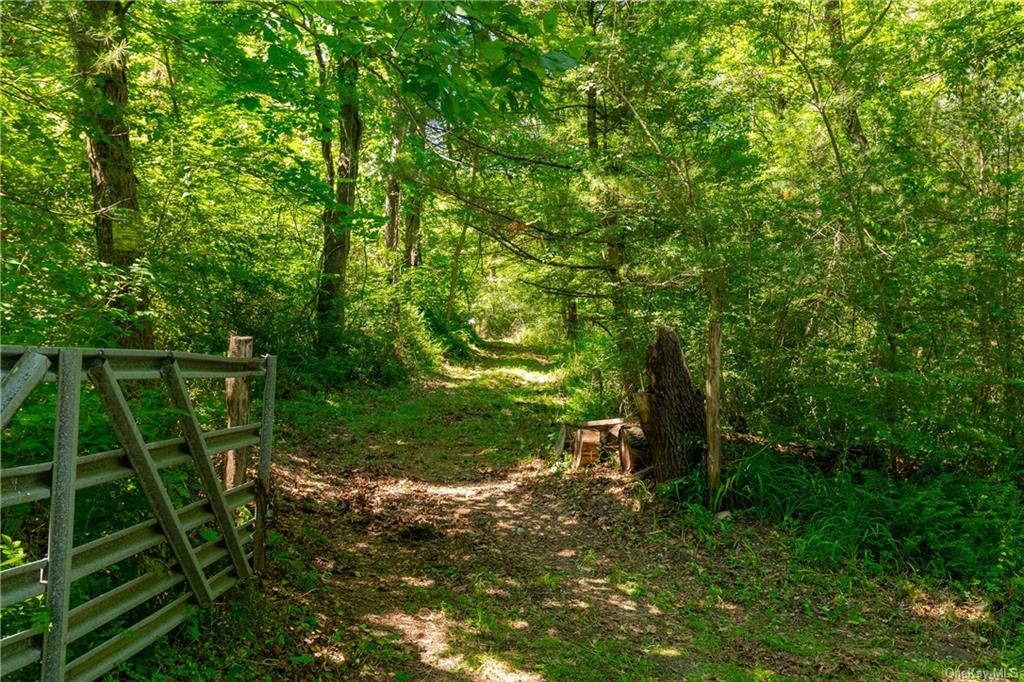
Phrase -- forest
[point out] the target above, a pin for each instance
(785, 237)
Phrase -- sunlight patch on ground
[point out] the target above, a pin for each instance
(454, 373)
(493, 670)
(429, 632)
(528, 376)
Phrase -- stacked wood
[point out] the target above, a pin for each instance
(587, 447)
(592, 437)
(633, 454)
(671, 410)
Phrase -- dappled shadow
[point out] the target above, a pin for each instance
(533, 576)
(497, 354)
(431, 544)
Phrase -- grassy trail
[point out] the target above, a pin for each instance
(422, 533)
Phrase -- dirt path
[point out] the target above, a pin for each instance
(422, 534)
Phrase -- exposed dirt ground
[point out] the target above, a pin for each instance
(425, 533)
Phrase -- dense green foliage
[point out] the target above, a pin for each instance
(839, 183)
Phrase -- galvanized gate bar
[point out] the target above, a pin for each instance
(142, 364)
(128, 432)
(211, 482)
(62, 513)
(101, 610)
(263, 479)
(24, 649)
(29, 483)
(19, 383)
(22, 369)
(96, 662)
(22, 582)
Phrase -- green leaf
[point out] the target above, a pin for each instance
(550, 21)
(499, 76)
(492, 50)
(303, 659)
(248, 103)
(277, 56)
(558, 61)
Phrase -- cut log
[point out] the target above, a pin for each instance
(633, 453)
(587, 448)
(671, 410)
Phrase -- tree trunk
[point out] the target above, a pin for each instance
(98, 33)
(671, 410)
(712, 389)
(455, 275)
(236, 393)
(837, 41)
(393, 191)
(337, 217)
(572, 321)
(411, 237)
(615, 244)
(392, 197)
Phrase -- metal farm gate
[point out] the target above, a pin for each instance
(25, 368)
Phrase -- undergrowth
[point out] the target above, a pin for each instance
(963, 530)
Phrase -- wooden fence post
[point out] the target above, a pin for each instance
(237, 392)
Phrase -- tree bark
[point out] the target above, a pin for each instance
(837, 41)
(98, 33)
(449, 308)
(712, 389)
(393, 190)
(337, 217)
(572, 321)
(671, 410)
(411, 238)
(632, 449)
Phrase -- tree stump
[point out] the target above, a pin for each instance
(671, 410)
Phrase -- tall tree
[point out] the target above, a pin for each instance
(101, 50)
(337, 217)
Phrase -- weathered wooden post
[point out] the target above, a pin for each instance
(237, 393)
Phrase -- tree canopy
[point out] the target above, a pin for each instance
(827, 193)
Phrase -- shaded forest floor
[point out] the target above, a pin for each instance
(423, 533)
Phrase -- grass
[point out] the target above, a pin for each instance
(422, 532)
